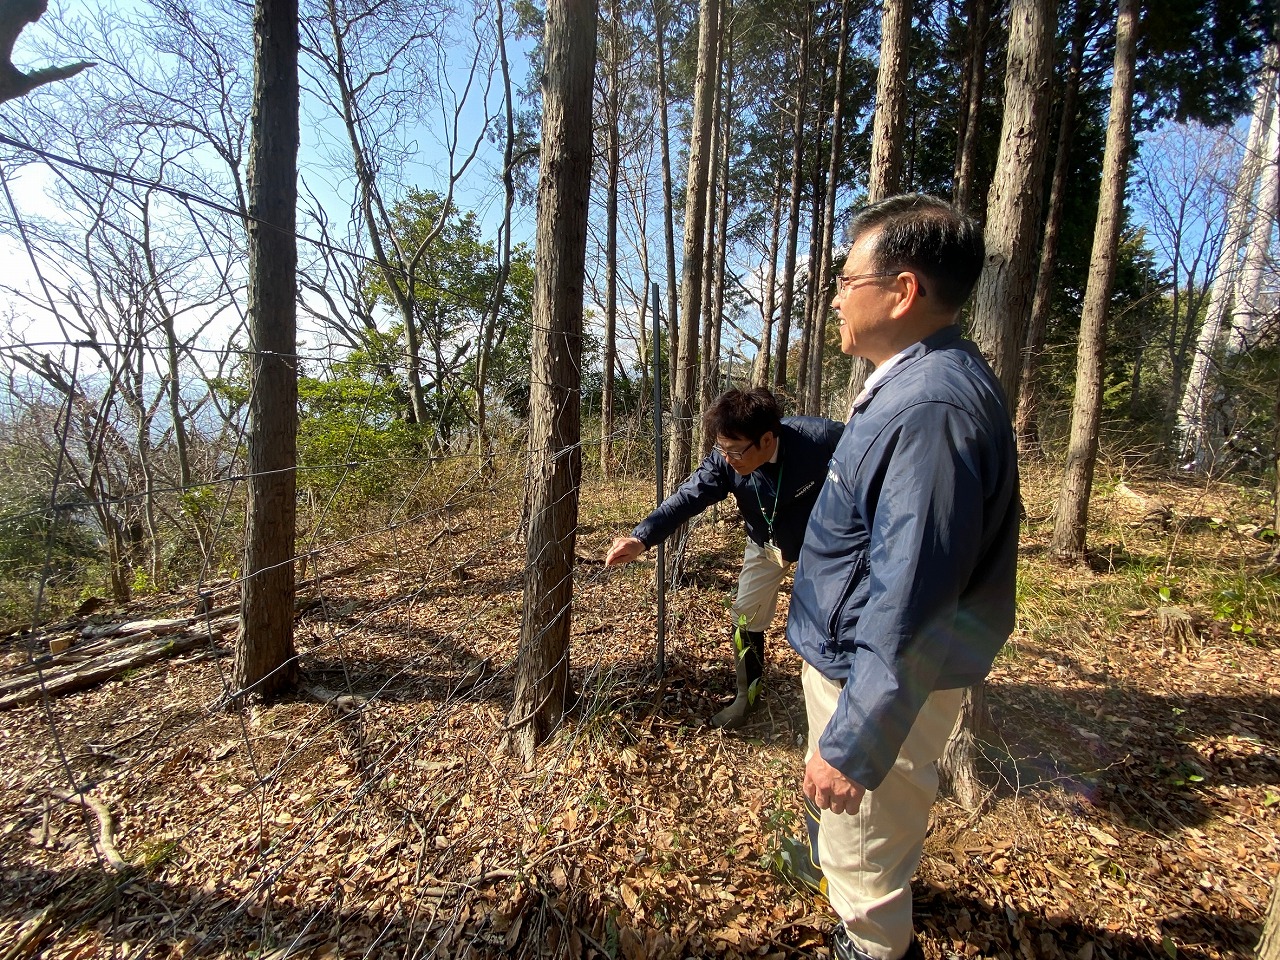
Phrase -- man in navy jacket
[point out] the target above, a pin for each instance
(774, 469)
(904, 591)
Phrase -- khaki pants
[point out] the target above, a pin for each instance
(758, 585)
(868, 857)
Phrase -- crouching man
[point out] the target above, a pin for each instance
(774, 468)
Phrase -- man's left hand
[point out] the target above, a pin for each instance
(830, 789)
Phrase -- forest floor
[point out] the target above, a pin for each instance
(1134, 767)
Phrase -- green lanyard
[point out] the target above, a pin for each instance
(777, 495)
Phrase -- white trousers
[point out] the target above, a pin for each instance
(869, 857)
(762, 573)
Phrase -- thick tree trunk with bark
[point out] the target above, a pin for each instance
(1026, 422)
(264, 653)
(1068, 542)
(555, 429)
(684, 385)
(891, 101)
(957, 767)
(1002, 301)
(887, 132)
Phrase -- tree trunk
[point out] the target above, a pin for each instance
(891, 101)
(706, 383)
(1068, 542)
(721, 252)
(957, 767)
(695, 224)
(555, 465)
(1250, 308)
(1269, 943)
(817, 194)
(1026, 421)
(1002, 301)
(1193, 444)
(827, 246)
(760, 371)
(887, 132)
(668, 203)
(971, 106)
(613, 162)
(264, 654)
(1003, 297)
(793, 210)
(504, 252)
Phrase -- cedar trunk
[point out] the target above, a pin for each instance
(613, 162)
(1068, 541)
(1027, 420)
(668, 213)
(971, 105)
(265, 661)
(787, 302)
(1002, 301)
(684, 385)
(760, 371)
(887, 131)
(555, 454)
(827, 246)
(891, 101)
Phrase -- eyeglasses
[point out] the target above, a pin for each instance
(734, 455)
(845, 281)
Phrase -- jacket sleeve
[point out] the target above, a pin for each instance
(709, 484)
(922, 483)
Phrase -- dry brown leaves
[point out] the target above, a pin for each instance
(1136, 782)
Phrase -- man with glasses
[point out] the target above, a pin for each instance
(904, 590)
(774, 468)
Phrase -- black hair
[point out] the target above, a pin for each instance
(927, 236)
(743, 415)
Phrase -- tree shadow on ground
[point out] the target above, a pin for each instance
(1129, 753)
(506, 914)
(948, 922)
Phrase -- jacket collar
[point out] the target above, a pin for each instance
(945, 337)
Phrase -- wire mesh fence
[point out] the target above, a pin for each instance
(375, 812)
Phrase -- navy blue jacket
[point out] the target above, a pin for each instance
(906, 581)
(805, 446)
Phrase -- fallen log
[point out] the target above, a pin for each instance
(58, 677)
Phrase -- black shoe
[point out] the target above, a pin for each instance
(842, 947)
